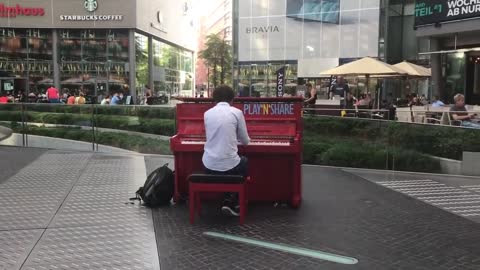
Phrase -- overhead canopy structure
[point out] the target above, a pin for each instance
(414, 70)
(365, 67)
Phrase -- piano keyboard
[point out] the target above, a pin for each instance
(262, 143)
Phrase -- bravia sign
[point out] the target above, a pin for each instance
(19, 10)
(436, 11)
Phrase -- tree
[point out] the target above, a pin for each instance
(141, 56)
(218, 58)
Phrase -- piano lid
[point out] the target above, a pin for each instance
(243, 99)
(264, 116)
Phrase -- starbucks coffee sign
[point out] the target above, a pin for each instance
(91, 6)
(91, 17)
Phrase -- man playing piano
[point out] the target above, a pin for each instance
(224, 127)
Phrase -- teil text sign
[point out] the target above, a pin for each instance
(436, 11)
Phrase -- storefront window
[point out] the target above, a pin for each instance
(26, 59)
(259, 80)
(172, 70)
(93, 62)
(117, 49)
(141, 56)
(455, 74)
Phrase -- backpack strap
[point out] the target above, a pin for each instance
(137, 195)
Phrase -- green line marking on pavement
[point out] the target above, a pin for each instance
(284, 248)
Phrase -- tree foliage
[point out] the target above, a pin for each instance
(218, 59)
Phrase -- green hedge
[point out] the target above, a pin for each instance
(140, 111)
(140, 124)
(327, 140)
(347, 152)
(441, 141)
(124, 141)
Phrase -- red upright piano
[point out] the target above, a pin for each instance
(274, 153)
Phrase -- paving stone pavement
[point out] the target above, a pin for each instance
(342, 214)
(67, 210)
(76, 218)
(13, 159)
(459, 195)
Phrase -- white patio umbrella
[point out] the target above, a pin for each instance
(367, 67)
(413, 70)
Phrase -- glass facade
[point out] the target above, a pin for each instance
(454, 74)
(93, 61)
(305, 36)
(272, 30)
(26, 60)
(141, 59)
(259, 80)
(402, 43)
(172, 70)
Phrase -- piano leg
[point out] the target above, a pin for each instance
(297, 182)
(296, 202)
(192, 209)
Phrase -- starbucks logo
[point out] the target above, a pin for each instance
(91, 5)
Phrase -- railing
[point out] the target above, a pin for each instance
(414, 114)
(137, 128)
(349, 138)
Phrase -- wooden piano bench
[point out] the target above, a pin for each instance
(199, 183)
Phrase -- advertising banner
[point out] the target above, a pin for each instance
(437, 11)
(280, 82)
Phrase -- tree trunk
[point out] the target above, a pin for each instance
(222, 62)
(215, 72)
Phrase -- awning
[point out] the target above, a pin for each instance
(366, 66)
(413, 70)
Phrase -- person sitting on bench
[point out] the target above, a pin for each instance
(224, 127)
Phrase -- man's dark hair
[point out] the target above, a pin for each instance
(223, 93)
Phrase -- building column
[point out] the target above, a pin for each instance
(56, 67)
(150, 62)
(438, 86)
(132, 64)
(235, 65)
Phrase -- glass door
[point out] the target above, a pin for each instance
(473, 79)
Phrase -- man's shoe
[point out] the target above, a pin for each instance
(231, 211)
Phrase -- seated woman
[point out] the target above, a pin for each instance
(460, 113)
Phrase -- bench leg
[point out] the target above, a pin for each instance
(243, 206)
(191, 207)
(245, 190)
(198, 203)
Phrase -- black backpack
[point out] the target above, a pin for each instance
(158, 188)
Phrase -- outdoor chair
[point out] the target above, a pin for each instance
(418, 114)
(433, 117)
(199, 183)
(362, 111)
(403, 114)
(453, 122)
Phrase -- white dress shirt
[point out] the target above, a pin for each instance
(224, 127)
